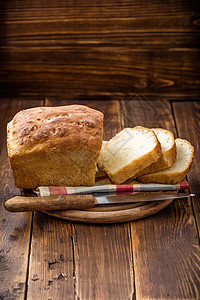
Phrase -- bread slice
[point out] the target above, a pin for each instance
(177, 172)
(129, 152)
(168, 147)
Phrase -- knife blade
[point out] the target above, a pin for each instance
(22, 204)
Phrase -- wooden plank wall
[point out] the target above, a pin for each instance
(94, 50)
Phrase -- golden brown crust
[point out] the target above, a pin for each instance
(55, 145)
(170, 156)
(165, 178)
(65, 127)
(169, 177)
(162, 163)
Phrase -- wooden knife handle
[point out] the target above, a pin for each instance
(19, 203)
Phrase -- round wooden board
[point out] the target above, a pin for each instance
(112, 214)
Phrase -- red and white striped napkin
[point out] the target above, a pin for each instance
(104, 185)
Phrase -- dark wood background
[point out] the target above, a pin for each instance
(103, 49)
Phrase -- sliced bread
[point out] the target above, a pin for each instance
(168, 147)
(177, 172)
(129, 152)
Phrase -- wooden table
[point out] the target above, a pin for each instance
(103, 50)
(42, 257)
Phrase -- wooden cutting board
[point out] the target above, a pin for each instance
(112, 213)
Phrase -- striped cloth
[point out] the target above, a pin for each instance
(103, 185)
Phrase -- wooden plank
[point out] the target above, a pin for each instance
(100, 73)
(14, 228)
(112, 7)
(187, 116)
(51, 267)
(102, 253)
(100, 23)
(103, 266)
(147, 113)
(101, 50)
(165, 246)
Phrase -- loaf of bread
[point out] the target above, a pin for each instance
(55, 146)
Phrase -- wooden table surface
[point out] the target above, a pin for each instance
(102, 50)
(158, 257)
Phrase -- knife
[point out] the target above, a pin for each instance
(19, 203)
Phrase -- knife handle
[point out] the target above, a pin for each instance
(19, 203)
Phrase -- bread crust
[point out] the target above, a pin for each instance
(165, 160)
(55, 145)
(45, 128)
(130, 170)
(169, 177)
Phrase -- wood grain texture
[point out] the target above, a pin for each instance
(187, 117)
(140, 112)
(99, 50)
(14, 228)
(102, 254)
(42, 203)
(103, 266)
(51, 260)
(165, 246)
(166, 255)
(77, 261)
